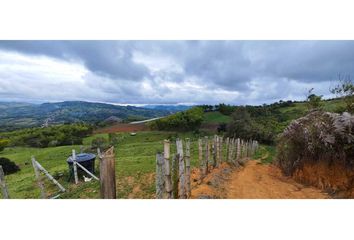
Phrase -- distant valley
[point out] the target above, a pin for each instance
(14, 115)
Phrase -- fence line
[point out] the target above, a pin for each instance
(175, 181)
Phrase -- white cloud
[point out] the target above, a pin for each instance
(140, 72)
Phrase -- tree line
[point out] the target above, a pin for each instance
(58, 135)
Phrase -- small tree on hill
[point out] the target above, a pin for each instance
(313, 101)
(345, 90)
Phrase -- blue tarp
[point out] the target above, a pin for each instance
(82, 157)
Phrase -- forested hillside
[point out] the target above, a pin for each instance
(21, 115)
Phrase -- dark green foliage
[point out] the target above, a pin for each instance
(67, 134)
(99, 142)
(181, 121)
(319, 136)
(226, 109)
(8, 166)
(222, 127)
(254, 123)
(113, 139)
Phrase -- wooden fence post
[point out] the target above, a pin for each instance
(168, 181)
(217, 149)
(108, 175)
(38, 178)
(250, 148)
(232, 147)
(227, 149)
(160, 183)
(214, 151)
(188, 168)
(175, 174)
(200, 157)
(73, 156)
(206, 157)
(238, 149)
(5, 192)
(182, 180)
(220, 149)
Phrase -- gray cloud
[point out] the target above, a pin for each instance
(238, 72)
(108, 58)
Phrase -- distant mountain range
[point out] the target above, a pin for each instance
(14, 115)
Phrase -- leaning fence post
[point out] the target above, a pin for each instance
(75, 166)
(168, 181)
(50, 177)
(182, 181)
(174, 176)
(108, 175)
(159, 176)
(38, 178)
(5, 192)
(188, 168)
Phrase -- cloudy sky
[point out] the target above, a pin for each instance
(170, 72)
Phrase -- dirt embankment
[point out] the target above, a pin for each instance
(253, 181)
(333, 178)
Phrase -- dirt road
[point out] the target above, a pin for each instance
(253, 181)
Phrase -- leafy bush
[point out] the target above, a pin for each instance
(319, 136)
(113, 138)
(3, 143)
(99, 142)
(8, 166)
(181, 121)
(248, 125)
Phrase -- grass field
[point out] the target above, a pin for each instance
(135, 166)
(216, 117)
(266, 154)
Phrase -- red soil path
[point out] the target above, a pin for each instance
(254, 181)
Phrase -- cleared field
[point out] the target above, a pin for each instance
(123, 127)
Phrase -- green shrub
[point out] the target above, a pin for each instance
(8, 166)
(181, 121)
(99, 142)
(113, 138)
(3, 143)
